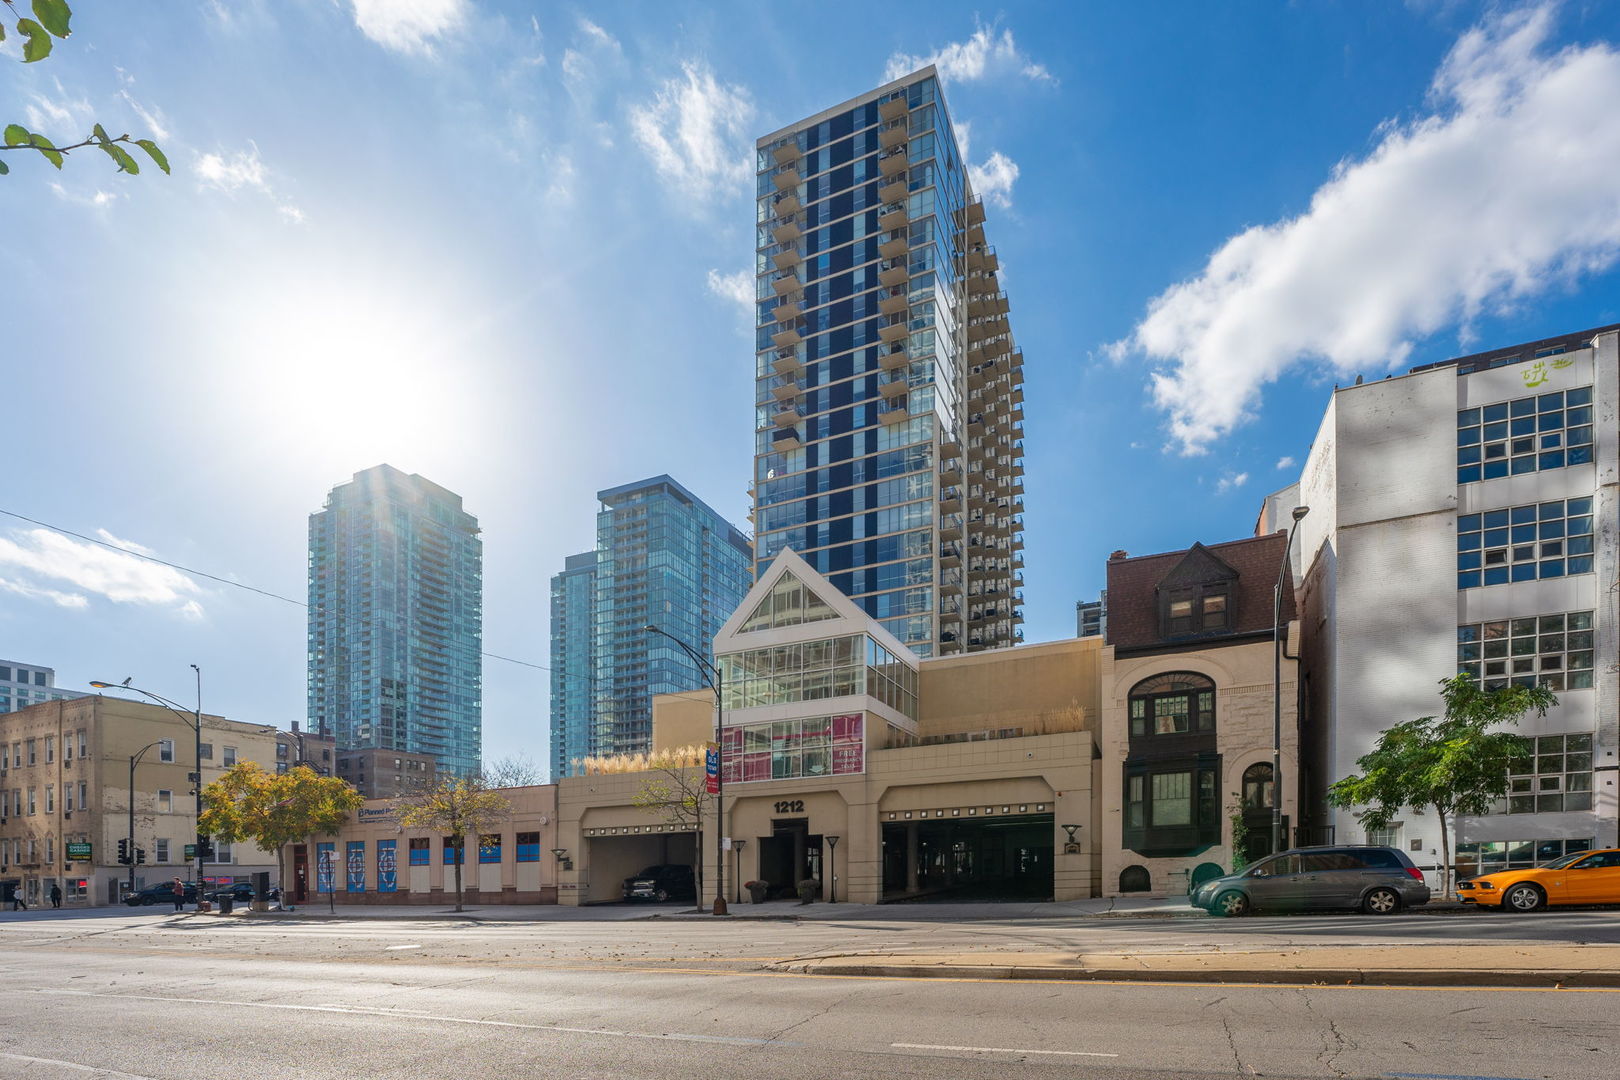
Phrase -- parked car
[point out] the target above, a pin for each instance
(161, 893)
(671, 881)
(1586, 877)
(1373, 880)
(241, 892)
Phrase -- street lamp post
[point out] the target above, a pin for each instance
(194, 720)
(1276, 686)
(711, 675)
(832, 869)
(133, 760)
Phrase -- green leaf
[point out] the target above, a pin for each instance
(55, 15)
(4, 168)
(45, 147)
(2, 31)
(16, 135)
(38, 45)
(120, 155)
(154, 153)
(100, 133)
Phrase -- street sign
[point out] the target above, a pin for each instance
(191, 852)
(79, 853)
(711, 768)
(725, 843)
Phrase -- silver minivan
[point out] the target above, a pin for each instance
(1375, 880)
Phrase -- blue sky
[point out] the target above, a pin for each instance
(498, 244)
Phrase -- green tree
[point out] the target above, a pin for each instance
(50, 21)
(1455, 763)
(454, 806)
(275, 809)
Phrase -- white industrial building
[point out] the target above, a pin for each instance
(1463, 517)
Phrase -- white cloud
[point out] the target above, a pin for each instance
(598, 35)
(97, 198)
(1285, 462)
(243, 170)
(736, 287)
(579, 64)
(91, 568)
(409, 26)
(984, 55)
(153, 120)
(1230, 481)
(50, 116)
(1504, 190)
(695, 132)
(994, 180)
(34, 592)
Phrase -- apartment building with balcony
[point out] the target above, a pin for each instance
(663, 556)
(396, 619)
(888, 387)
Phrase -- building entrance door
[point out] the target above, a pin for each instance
(300, 889)
(789, 855)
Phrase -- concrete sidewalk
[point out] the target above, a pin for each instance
(1543, 966)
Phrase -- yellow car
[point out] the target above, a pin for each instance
(1586, 877)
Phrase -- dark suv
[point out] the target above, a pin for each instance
(1374, 880)
(241, 893)
(161, 893)
(668, 882)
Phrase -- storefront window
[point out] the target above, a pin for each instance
(789, 749)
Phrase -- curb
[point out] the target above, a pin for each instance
(1546, 979)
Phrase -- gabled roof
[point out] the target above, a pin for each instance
(1252, 563)
(822, 611)
(1200, 566)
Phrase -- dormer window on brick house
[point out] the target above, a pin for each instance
(1197, 597)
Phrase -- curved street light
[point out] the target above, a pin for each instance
(711, 675)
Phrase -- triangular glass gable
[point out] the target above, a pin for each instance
(788, 603)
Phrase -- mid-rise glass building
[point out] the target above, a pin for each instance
(889, 391)
(663, 557)
(396, 619)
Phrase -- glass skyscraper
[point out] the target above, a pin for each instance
(396, 619)
(888, 393)
(662, 557)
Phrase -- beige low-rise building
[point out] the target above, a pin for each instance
(374, 859)
(65, 797)
(850, 763)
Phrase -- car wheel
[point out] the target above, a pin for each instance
(1381, 902)
(1230, 903)
(148, 901)
(1524, 897)
(661, 896)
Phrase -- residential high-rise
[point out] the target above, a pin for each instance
(573, 651)
(1091, 616)
(396, 619)
(1462, 519)
(22, 685)
(664, 558)
(888, 392)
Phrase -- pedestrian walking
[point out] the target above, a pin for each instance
(56, 896)
(179, 895)
(17, 903)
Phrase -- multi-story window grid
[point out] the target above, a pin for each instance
(1556, 777)
(1546, 431)
(1554, 651)
(1524, 543)
(888, 396)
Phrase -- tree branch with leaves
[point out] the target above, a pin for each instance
(454, 806)
(275, 809)
(1455, 763)
(51, 20)
(679, 795)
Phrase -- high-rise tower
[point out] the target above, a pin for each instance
(888, 393)
(664, 558)
(396, 619)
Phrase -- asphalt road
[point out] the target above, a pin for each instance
(154, 996)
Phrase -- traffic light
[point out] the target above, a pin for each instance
(123, 851)
(205, 849)
(140, 855)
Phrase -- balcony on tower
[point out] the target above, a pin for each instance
(972, 212)
(894, 133)
(788, 363)
(787, 309)
(785, 230)
(785, 439)
(894, 272)
(788, 151)
(895, 245)
(786, 202)
(890, 163)
(787, 390)
(785, 256)
(787, 178)
(787, 335)
(896, 301)
(893, 411)
(787, 414)
(892, 216)
(893, 386)
(893, 329)
(892, 190)
(894, 357)
(785, 281)
(894, 108)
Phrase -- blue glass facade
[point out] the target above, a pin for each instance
(396, 619)
(888, 389)
(573, 621)
(662, 557)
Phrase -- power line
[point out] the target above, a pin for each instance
(254, 589)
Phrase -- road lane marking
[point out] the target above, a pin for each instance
(391, 948)
(99, 1071)
(408, 1014)
(999, 1050)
